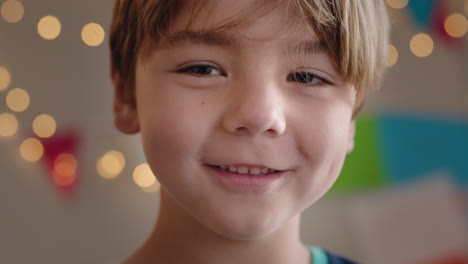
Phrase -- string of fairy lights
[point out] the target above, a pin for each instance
(422, 44)
(112, 163)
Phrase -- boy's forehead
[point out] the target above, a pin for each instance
(292, 45)
(204, 26)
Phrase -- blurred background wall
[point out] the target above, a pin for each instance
(74, 190)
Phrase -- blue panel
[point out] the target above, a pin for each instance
(413, 147)
(422, 11)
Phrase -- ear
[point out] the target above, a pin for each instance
(125, 113)
(351, 136)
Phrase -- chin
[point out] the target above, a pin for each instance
(245, 228)
(243, 235)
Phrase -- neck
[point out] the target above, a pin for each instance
(179, 238)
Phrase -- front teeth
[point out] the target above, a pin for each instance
(245, 170)
(254, 171)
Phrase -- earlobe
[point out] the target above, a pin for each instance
(351, 136)
(126, 119)
(125, 114)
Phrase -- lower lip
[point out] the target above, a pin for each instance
(252, 181)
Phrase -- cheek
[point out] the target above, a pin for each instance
(325, 132)
(172, 130)
(322, 143)
(167, 127)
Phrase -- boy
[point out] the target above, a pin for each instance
(246, 110)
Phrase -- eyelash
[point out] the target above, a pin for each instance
(308, 77)
(298, 76)
(190, 70)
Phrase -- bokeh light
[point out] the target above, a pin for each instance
(153, 188)
(66, 164)
(92, 34)
(422, 45)
(397, 4)
(456, 25)
(8, 125)
(143, 176)
(12, 11)
(17, 100)
(111, 164)
(392, 55)
(31, 150)
(5, 78)
(44, 126)
(49, 27)
(65, 168)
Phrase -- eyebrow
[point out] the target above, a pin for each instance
(222, 40)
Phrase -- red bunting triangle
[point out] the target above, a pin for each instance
(60, 159)
(438, 21)
(454, 259)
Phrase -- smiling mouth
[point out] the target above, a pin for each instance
(247, 170)
(243, 177)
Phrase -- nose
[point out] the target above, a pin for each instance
(255, 109)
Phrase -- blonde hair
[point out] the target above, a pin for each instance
(355, 34)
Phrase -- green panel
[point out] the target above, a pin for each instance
(362, 168)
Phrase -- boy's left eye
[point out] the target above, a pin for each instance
(201, 70)
(303, 77)
(307, 78)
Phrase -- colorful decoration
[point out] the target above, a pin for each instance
(60, 152)
(451, 259)
(395, 148)
(418, 145)
(430, 16)
(437, 23)
(363, 167)
(422, 12)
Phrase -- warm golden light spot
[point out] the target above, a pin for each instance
(153, 188)
(66, 164)
(12, 11)
(422, 45)
(8, 125)
(31, 150)
(392, 56)
(143, 176)
(17, 100)
(44, 126)
(92, 34)
(49, 27)
(111, 164)
(65, 167)
(397, 4)
(5, 78)
(456, 25)
(63, 180)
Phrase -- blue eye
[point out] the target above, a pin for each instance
(201, 70)
(307, 79)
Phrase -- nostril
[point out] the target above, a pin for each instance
(272, 131)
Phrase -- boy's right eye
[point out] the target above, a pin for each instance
(201, 70)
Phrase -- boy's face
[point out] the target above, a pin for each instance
(208, 100)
